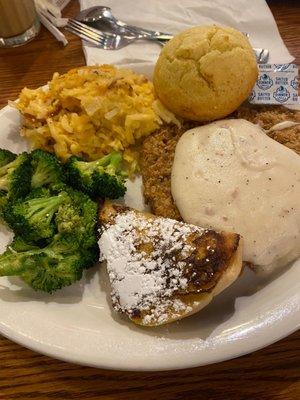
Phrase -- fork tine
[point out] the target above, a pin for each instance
(94, 36)
(83, 35)
(89, 29)
(85, 30)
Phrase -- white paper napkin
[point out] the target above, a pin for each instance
(251, 16)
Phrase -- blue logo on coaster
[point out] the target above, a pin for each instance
(294, 83)
(252, 95)
(264, 82)
(281, 94)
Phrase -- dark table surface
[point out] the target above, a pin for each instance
(271, 373)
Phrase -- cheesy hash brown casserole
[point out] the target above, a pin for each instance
(92, 111)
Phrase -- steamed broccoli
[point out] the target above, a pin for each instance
(6, 157)
(3, 203)
(33, 217)
(15, 175)
(79, 217)
(47, 169)
(100, 178)
(55, 225)
(59, 264)
(20, 244)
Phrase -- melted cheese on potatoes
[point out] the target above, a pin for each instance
(91, 111)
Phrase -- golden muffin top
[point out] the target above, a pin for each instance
(205, 73)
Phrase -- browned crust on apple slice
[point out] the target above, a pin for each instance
(198, 257)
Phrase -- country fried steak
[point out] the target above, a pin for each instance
(156, 164)
(159, 148)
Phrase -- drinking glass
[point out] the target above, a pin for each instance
(19, 22)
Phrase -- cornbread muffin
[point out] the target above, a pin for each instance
(205, 73)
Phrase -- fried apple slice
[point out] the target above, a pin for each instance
(162, 270)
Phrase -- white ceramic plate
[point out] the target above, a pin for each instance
(77, 324)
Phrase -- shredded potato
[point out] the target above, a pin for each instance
(91, 111)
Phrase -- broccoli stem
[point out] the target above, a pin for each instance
(4, 184)
(111, 159)
(44, 208)
(4, 170)
(110, 163)
(115, 159)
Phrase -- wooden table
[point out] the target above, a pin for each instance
(271, 373)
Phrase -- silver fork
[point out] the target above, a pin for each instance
(108, 41)
(113, 41)
(101, 18)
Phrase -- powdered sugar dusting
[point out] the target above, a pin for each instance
(145, 261)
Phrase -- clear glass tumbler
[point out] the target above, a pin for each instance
(19, 22)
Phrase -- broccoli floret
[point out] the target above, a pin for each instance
(6, 157)
(100, 178)
(33, 217)
(47, 169)
(15, 173)
(15, 176)
(59, 264)
(79, 217)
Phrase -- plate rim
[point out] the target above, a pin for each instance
(75, 358)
